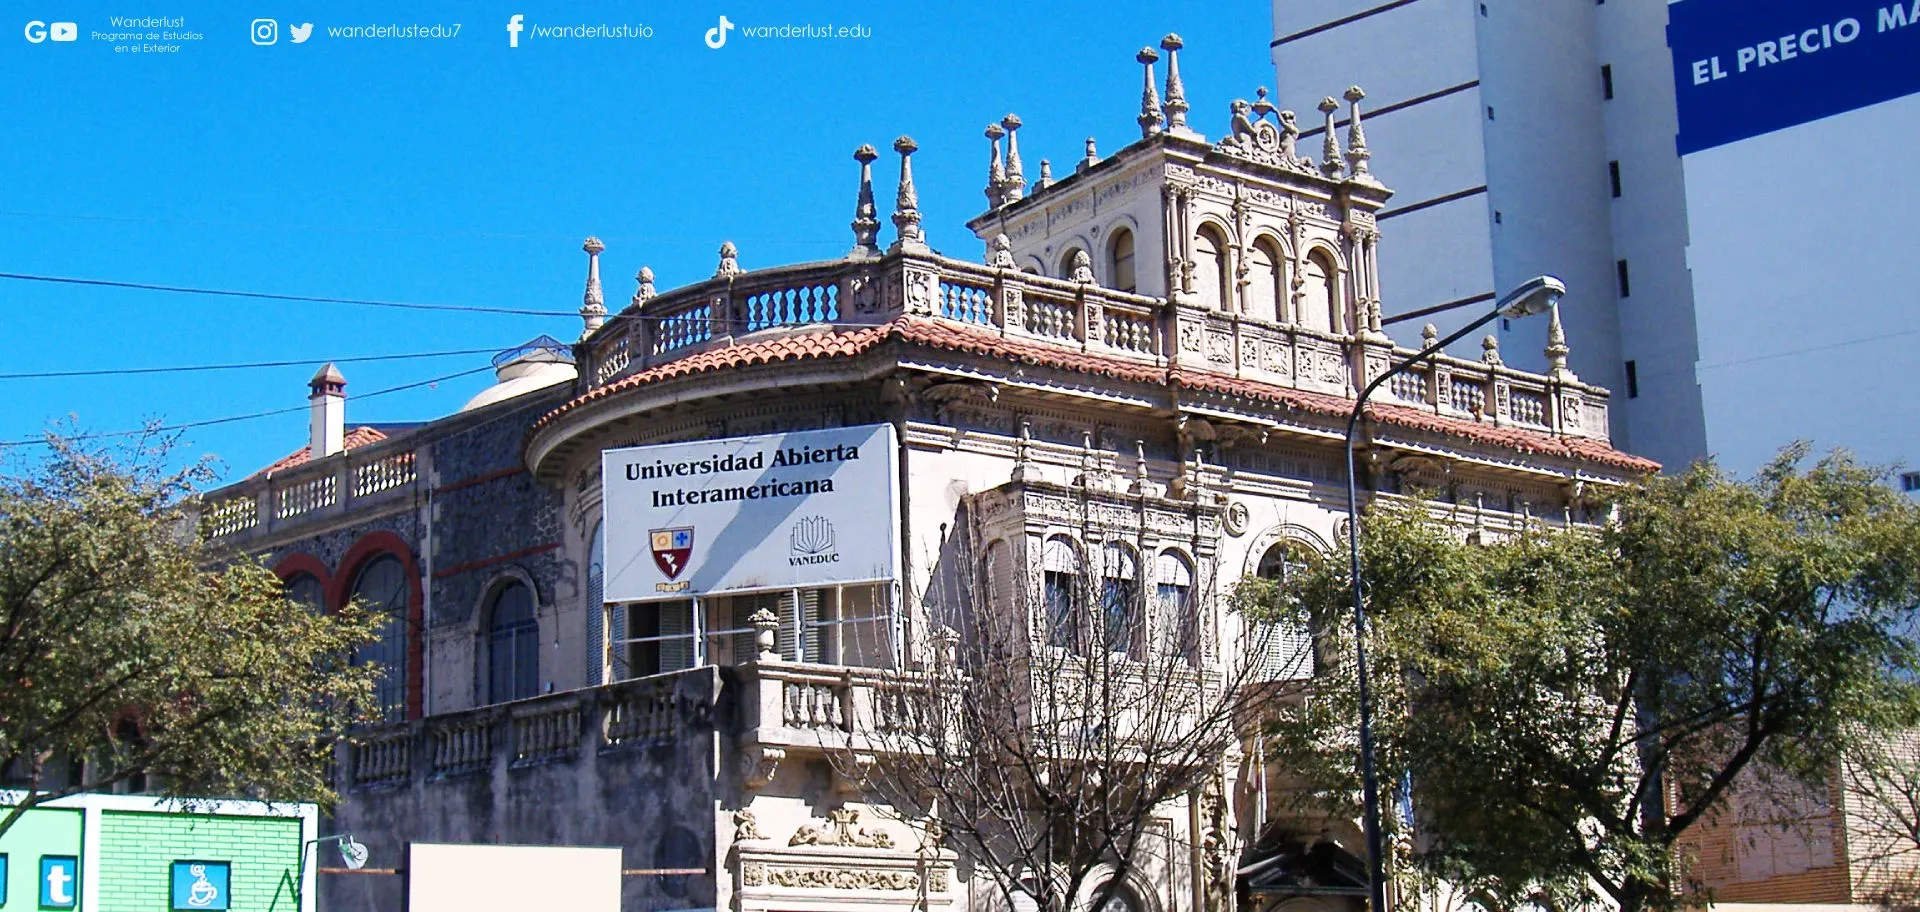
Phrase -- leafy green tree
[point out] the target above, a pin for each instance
(130, 652)
(1567, 705)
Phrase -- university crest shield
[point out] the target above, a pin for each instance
(672, 549)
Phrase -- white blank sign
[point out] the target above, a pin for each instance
(476, 878)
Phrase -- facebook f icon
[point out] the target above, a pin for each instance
(514, 27)
(59, 881)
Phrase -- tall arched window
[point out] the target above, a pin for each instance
(513, 645)
(1212, 268)
(305, 590)
(1282, 649)
(1266, 295)
(1120, 260)
(599, 630)
(1320, 308)
(1173, 586)
(1061, 584)
(1119, 593)
(381, 589)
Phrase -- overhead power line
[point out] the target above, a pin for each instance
(242, 365)
(248, 417)
(267, 296)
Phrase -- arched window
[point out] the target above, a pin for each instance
(1119, 592)
(1320, 307)
(381, 589)
(1122, 900)
(603, 624)
(1283, 649)
(1061, 583)
(1173, 587)
(305, 589)
(1120, 260)
(513, 645)
(1266, 295)
(1212, 269)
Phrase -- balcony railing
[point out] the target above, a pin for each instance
(336, 485)
(557, 728)
(1079, 317)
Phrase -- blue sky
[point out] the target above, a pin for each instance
(466, 172)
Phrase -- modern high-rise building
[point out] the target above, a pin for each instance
(1539, 136)
(1533, 137)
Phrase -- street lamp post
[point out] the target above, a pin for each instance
(1535, 296)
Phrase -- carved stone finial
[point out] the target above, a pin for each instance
(1016, 185)
(765, 625)
(643, 286)
(745, 826)
(866, 216)
(906, 206)
(1000, 253)
(1479, 534)
(1330, 164)
(1150, 117)
(1261, 106)
(1490, 350)
(593, 307)
(1429, 335)
(1557, 346)
(1357, 154)
(1176, 105)
(1091, 158)
(996, 172)
(1082, 267)
(729, 261)
(1023, 467)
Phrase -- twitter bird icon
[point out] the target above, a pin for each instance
(301, 32)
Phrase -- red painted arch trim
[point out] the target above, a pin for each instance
(299, 562)
(370, 546)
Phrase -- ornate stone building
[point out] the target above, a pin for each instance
(1156, 353)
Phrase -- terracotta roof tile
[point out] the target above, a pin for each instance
(950, 336)
(358, 437)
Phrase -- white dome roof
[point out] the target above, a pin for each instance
(533, 369)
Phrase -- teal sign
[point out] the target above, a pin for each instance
(59, 881)
(201, 885)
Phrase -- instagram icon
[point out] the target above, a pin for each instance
(265, 31)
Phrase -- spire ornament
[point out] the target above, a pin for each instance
(996, 172)
(1016, 186)
(1357, 154)
(1176, 106)
(906, 206)
(643, 292)
(1091, 158)
(729, 261)
(866, 217)
(1330, 164)
(1557, 347)
(1046, 175)
(1150, 117)
(593, 307)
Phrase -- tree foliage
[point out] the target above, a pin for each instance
(130, 652)
(1059, 714)
(1565, 705)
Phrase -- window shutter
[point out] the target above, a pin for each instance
(676, 620)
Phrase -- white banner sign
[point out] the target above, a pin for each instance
(808, 508)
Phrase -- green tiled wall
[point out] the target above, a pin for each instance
(137, 851)
(42, 831)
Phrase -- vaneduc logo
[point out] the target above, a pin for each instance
(38, 31)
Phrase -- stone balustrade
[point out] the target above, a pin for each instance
(555, 728)
(1081, 317)
(344, 483)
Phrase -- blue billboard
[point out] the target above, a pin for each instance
(1746, 67)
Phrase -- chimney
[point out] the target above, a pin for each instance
(327, 413)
